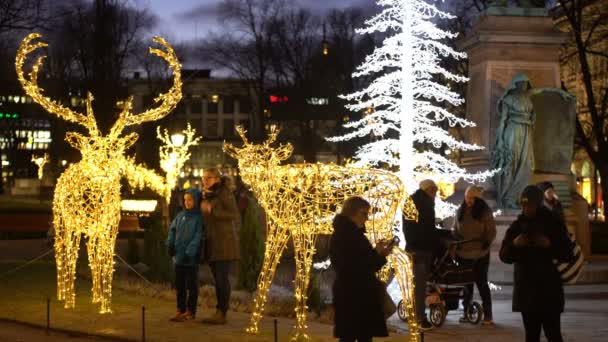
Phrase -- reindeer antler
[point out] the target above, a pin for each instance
(243, 133)
(31, 88)
(272, 135)
(170, 99)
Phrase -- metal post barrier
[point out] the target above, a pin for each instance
(143, 323)
(48, 315)
(276, 331)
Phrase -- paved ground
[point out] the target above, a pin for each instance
(585, 320)
(19, 332)
(23, 298)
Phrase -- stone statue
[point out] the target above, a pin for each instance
(514, 150)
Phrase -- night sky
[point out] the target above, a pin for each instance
(181, 20)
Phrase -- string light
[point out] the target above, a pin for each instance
(87, 195)
(40, 162)
(301, 200)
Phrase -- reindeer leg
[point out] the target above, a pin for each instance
(67, 243)
(60, 254)
(106, 245)
(401, 262)
(92, 252)
(276, 240)
(304, 244)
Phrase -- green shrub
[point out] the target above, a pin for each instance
(155, 252)
(314, 293)
(251, 247)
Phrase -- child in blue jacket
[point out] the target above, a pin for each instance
(183, 243)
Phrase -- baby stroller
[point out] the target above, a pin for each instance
(446, 287)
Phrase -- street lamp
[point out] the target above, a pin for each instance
(177, 139)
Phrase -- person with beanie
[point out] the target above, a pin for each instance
(531, 243)
(422, 240)
(184, 245)
(551, 200)
(475, 221)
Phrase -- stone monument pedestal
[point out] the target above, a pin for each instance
(504, 42)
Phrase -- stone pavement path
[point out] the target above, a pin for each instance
(585, 320)
(23, 298)
(18, 332)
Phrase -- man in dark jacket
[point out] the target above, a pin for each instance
(220, 215)
(358, 295)
(551, 200)
(422, 239)
(532, 242)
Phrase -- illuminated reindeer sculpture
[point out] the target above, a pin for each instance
(301, 200)
(87, 195)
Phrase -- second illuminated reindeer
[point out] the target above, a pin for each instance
(300, 201)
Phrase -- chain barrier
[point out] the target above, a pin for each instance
(150, 284)
(27, 263)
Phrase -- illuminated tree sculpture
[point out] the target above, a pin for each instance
(40, 162)
(175, 154)
(87, 195)
(301, 200)
(405, 101)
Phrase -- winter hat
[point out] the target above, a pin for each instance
(543, 186)
(533, 194)
(427, 184)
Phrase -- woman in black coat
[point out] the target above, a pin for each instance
(531, 243)
(358, 295)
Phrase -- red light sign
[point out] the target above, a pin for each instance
(278, 99)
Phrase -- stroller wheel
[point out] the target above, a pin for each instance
(474, 313)
(437, 314)
(401, 311)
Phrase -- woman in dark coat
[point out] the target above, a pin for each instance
(358, 295)
(531, 243)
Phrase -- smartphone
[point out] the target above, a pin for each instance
(395, 241)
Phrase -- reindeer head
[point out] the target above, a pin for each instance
(254, 158)
(98, 150)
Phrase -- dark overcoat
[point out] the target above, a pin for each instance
(537, 286)
(421, 235)
(358, 295)
(221, 224)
